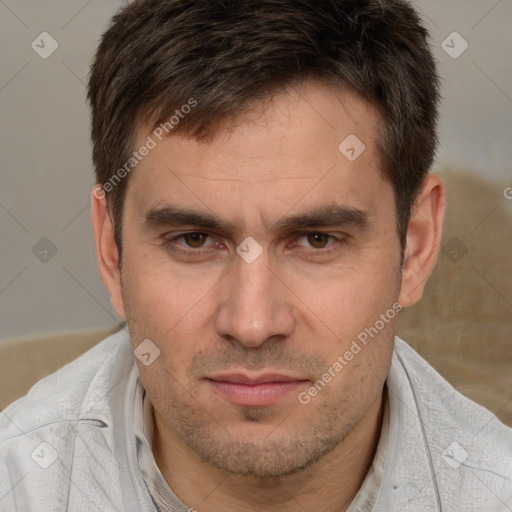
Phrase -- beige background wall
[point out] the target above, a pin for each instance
(46, 170)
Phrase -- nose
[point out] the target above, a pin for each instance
(254, 305)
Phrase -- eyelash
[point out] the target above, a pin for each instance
(172, 243)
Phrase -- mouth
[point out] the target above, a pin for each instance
(255, 390)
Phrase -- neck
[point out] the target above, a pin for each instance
(329, 485)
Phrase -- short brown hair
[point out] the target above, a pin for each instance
(228, 54)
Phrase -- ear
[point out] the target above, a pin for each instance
(107, 254)
(423, 239)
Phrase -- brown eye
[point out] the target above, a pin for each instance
(195, 240)
(318, 240)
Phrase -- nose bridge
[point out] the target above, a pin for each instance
(254, 307)
(254, 285)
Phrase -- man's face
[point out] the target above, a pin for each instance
(243, 336)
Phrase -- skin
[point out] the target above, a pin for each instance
(292, 311)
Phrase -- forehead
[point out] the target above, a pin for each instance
(304, 144)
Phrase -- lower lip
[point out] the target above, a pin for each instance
(255, 395)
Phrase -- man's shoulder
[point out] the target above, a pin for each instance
(63, 445)
(467, 450)
(73, 392)
(434, 394)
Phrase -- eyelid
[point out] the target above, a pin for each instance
(335, 238)
(172, 238)
(331, 237)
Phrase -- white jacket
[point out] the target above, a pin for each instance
(69, 445)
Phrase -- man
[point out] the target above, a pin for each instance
(262, 214)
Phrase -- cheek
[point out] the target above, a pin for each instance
(167, 312)
(350, 300)
(354, 326)
(165, 295)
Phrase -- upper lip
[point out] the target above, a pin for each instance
(266, 378)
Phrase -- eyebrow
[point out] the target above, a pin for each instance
(327, 216)
(176, 216)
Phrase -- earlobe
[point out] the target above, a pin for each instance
(107, 254)
(423, 239)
